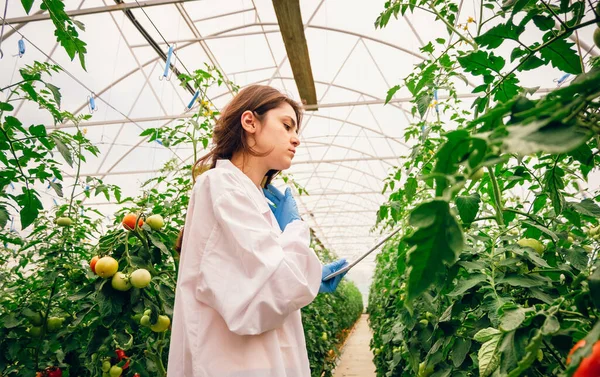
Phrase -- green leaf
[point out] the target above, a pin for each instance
(465, 285)
(461, 348)
(391, 93)
(486, 334)
(543, 229)
(562, 56)
(544, 23)
(63, 149)
(410, 188)
(494, 37)
(594, 284)
(530, 355)
(423, 101)
(512, 319)
(586, 207)
(481, 63)
(521, 281)
(5, 106)
(468, 207)
(4, 216)
(583, 154)
(438, 239)
(57, 188)
(544, 136)
(551, 325)
(55, 93)
(553, 184)
(531, 63)
(488, 356)
(539, 202)
(27, 4)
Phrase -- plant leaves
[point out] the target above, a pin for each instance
(551, 325)
(27, 4)
(438, 239)
(465, 285)
(460, 350)
(391, 93)
(488, 356)
(586, 207)
(3, 216)
(512, 319)
(468, 207)
(530, 355)
(560, 54)
(486, 334)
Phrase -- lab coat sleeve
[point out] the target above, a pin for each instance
(254, 277)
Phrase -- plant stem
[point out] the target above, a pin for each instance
(450, 26)
(554, 354)
(555, 15)
(497, 197)
(531, 217)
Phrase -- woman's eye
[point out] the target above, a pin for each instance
(287, 127)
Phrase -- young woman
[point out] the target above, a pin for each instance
(246, 268)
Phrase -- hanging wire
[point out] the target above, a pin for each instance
(2, 31)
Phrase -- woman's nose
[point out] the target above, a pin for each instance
(295, 141)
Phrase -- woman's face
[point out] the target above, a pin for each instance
(278, 133)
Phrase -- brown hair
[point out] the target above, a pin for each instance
(229, 136)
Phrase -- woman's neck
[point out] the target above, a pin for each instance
(250, 166)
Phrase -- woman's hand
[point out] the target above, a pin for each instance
(284, 208)
(328, 269)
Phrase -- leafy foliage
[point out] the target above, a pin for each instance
(458, 293)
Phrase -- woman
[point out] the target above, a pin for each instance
(246, 268)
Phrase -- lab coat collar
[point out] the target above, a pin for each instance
(257, 196)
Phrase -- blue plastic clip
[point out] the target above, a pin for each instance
(54, 180)
(55, 202)
(435, 97)
(21, 47)
(92, 104)
(560, 81)
(193, 99)
(166, 75)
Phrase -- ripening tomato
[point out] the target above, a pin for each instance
(129, 221)
(590, 365)
(93, 263)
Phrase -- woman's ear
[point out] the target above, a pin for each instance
(249, 121)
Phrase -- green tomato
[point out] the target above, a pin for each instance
(145, 320)
(64, 221)
(55, 323)
(137, 317)
(155, 222)
(115, 371)
(162, 324)
(597, 36)
(324, 336)
(140, 278)
(36, 319)
(424, 322)
(105, 374)
(35, 331)
(424, 370)
(536, 245)
(148, 312)
(540, 355)
(120, 282)
(476, 176)
(106, 365)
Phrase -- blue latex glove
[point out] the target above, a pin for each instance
(284, 208)
(328, 269)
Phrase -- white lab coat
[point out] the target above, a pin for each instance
(241, 284)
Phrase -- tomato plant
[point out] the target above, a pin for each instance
(494, 274)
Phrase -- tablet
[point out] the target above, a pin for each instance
(355, 262)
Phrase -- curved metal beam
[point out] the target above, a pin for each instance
(347, 148)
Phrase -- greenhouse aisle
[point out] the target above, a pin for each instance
(357, 358)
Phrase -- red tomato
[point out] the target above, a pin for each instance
(120, 356)
(590, 366)
(53, 372)
(93, 263)
(129, 221)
